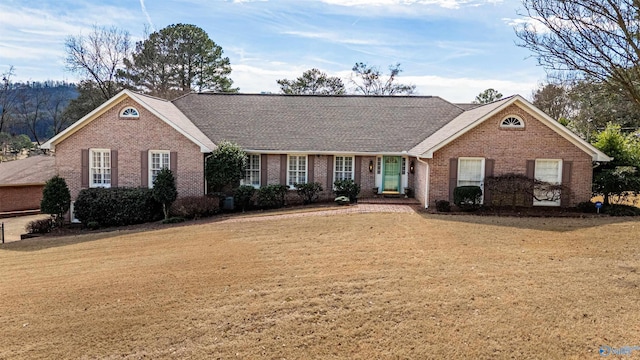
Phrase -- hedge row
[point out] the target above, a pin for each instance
(117, 206)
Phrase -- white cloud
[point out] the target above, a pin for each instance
(447, 4)
(333, 37)
(257, 79)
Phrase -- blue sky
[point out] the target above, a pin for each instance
(449, 48)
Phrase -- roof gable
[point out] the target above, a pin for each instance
(474, 117)
(163, 109)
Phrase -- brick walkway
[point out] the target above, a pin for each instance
(352, 209)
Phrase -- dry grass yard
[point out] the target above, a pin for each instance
(355, 286)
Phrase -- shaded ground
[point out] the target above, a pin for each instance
(357, 286)
(14, 226)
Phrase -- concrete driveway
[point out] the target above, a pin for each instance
(14, 226)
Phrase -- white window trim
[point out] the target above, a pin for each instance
(559, 181)
(243, 182)
(353, 166)
(91, 167)
(306, 169)
(511, 126)
(130, 116)
(150, 163)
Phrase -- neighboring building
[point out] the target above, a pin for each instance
(22, 181)
(384, 143)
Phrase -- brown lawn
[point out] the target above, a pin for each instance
(356, 286)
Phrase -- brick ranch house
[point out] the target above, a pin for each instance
(386, 144)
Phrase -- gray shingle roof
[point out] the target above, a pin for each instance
(291, 123)
(32, 170)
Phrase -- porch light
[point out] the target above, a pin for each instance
(370, 165)
(412, 167)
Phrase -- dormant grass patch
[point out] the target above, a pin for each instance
(357, 286)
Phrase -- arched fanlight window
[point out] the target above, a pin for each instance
(129, 112)
(512, 122)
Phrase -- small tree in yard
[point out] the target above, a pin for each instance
(56, 199)
(225, 166)
(164, 190)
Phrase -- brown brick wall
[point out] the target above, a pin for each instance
(511, 148)
(20, 197)
(129, 137)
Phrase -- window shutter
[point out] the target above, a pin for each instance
(264, 172)
(453, 177)
(173, 163)
(531, 173)
(357, 167)
(144, 169)
(283, 169)
(565, 196)
(114, 168)
(330, 172)
(488, 172)
(310, 169)
(531, 169)
(84, 168)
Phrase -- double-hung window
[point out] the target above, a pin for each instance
(548, 172)
(343, 168)
(297, 170)
(252, 173)
(100, 168)
(158, 160)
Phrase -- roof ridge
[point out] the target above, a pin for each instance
(309, 95)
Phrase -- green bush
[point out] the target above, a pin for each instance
(41, 226)
(117, 206)
(195, 207)
(347, 188)
(243, 197)
(56, 199)
(164, 190)
(309, 192)
(467, 198)
(622, 210)
(272, 196)
(443, 206)
(586, 207)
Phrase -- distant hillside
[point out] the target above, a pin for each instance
(52, 97)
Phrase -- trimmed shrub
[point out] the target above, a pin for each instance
(243, 197)
(347, 188)
(272, 196)
(164, 190)
(443, 206)
(56, 199)
(195, 207)
(467, 198)
(41, 226)
(622, 210)
(309, 192)
(587, 207)
(117, 206)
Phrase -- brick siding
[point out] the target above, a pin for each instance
(511, 148)
(20, 197)
(129, 137)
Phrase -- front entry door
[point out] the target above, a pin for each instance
(391, 174)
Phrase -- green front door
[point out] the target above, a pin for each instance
(391, 174)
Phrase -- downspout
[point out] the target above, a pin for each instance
(426, 182)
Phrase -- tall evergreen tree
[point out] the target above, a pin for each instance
(176, 60)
